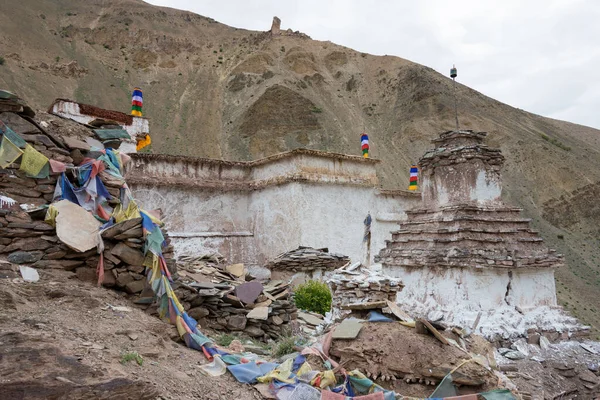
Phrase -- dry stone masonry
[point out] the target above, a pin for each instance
(26, 239)
(306, 259)
(362, 285)
(227, 298)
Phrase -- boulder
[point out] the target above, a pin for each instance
(236, 322)
(135, 286)
(254, 331)
(127, 254)
(25, 257)
(123, 279)
(28, 244)
(198, 312)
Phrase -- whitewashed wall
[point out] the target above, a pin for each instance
(253, 212)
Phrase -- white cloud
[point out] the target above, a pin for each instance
(541, 56)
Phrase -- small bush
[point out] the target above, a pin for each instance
(224, 339)
(2, 60)
(313, 296)
(555, 142)
(285, 346)
(316, 110)
(132, 356)
(57, 59)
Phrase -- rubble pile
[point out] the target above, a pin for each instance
(308, 259)
(362, 286)
(28, 236)
(225, 297)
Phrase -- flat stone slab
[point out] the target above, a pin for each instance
(348, 329)
(76, 227)
(236, 270)
(74, 143)
(365, 306)
(121, 227)
(259, 313)
(309, 319)
(397, 311)
(248, 292)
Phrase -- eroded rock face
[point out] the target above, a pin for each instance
(34, 369)
(279, 118)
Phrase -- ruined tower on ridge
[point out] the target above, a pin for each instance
(276, 26)
(465, 253)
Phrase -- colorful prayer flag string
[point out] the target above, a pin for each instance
(414, 174)
(137, 101)
(364, 144)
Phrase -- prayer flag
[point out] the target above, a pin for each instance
(141, 143)
(364, 145)
(414, 174)
(137, 102)
(33, 161)
(9, 152)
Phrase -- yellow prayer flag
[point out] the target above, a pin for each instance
(33, 161)
(8, 152)
(141, 143)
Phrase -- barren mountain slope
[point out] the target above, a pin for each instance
(216, 91)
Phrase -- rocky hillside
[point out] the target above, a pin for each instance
(215, 91)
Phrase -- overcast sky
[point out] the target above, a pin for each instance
(540, 56)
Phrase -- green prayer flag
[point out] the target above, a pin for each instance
(12, 135)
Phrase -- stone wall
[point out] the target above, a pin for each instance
(25, 239)
(253, 211)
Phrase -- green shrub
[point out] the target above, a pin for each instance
(224, 339)
(132, 356)
(316, 110)
(555, 142)
(285, 346)
(1, 60)
(313, 296)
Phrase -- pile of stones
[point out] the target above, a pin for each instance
(32, 242)
(25, 239)
(308, 259)
(237, 304)
(364, 286)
